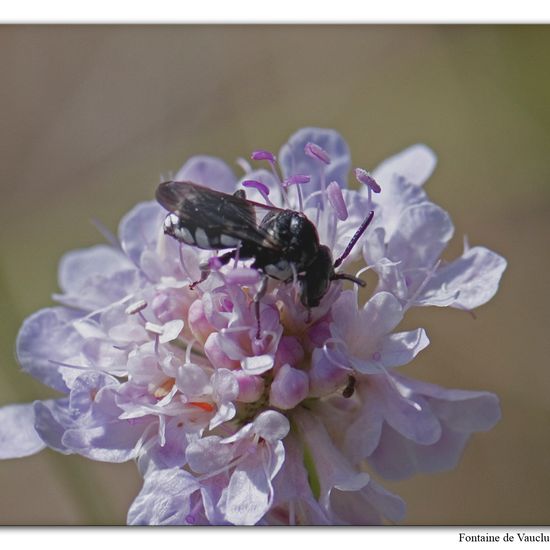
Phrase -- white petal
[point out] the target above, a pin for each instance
(248, 492)
(171, 330)
(423, 233)
(78, 266)
(18, 437)
(165, 499)
(474, 276)
(415, 164)
(209, 171)
(401, 348)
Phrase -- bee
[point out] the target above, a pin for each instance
(284, 244)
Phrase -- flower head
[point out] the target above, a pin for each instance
(258, 389)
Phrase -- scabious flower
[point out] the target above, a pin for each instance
(268, 416)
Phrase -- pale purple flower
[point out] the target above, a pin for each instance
(268, 415)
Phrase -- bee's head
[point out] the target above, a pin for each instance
(317, 278)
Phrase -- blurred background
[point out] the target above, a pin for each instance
(93, 115)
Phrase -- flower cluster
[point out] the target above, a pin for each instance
(271, 415)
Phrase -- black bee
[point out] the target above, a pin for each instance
(284, 245)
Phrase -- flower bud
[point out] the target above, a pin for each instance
(289, 387)
(250, 387)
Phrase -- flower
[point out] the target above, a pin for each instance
(241, 402)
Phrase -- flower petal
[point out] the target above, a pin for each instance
(77, 267)
(248, 494)
(332, 467)
(52, 419)
(209, 171)
(415, 164)
(140, 229)
(401, 348)
(368, 506)
(398, 458)
(462, 410)
(18, 437)
(208, 454)
(45, 337)
(165, 498)
(471, 280)
(423, 233)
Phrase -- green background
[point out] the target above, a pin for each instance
(93, 115)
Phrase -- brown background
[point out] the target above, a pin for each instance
(92, 115)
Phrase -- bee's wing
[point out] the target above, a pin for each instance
(223, 218)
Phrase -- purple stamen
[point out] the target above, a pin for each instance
(354, 239)
(262, 188)
(314, 151)
(376, 356)
(336, 199)
(262, 154)
(364, 177)
(296, 179)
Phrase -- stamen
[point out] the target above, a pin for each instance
(245, 166)
(296, 179)
(136, 307)
(107, 234)
(154, 328)
(262, 154)
(260, 187)
(313, 195)
(189, 350)
(69, 366)
(314, 151)
(364, 177)
(354, 239)
(182, 262)
(336, 199)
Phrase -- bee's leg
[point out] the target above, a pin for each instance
(206, 267)
(257, 297)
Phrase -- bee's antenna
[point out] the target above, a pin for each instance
(351, 244)
(348, 277)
